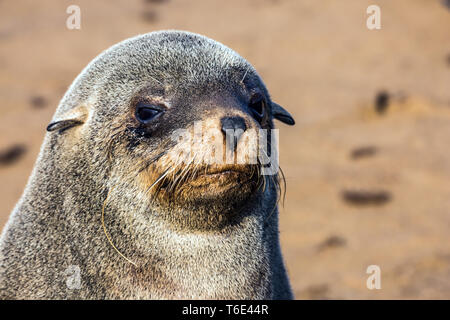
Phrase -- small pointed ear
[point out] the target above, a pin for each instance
(280, 114)
(71, 119)
(63, 125)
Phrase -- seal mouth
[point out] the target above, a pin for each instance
(202, 183)
(223, 173)
(221, 177)
(209, 182)
(226, 170)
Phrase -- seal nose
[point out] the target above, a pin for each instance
(237, 124)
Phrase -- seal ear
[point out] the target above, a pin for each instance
(281, 114)
(63, 124)
(74, 118)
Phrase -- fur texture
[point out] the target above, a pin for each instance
(98, 160)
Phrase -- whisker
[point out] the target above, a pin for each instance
(283, 177)
(184, 173)
(152, 160)
(245, 74)
(106, 232)
(157, 180)
(179, 175)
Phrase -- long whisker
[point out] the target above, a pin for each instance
(178, 174)
(157, 180)
(284, 184)
(106, 232)
(275, 180)
(184, 173)
(245, 74)
(152, 160)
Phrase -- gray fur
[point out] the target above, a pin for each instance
(178, 254)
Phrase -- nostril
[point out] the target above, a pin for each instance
(233, 128)
(233, 123)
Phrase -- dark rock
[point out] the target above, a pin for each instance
(363, 152)
(382, 102)
(332, 242)
(12, 154)
(366, 198)
(38, 102)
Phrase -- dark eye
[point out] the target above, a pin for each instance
(257, 106)
(146, 112)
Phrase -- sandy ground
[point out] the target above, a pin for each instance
(363, 187)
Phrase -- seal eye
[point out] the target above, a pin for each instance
(257, 106)
(146, 112)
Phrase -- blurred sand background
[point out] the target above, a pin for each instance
(363, 186)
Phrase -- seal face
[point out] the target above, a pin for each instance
(151, 183)
(188, 174)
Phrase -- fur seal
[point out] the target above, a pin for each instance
(106, 214)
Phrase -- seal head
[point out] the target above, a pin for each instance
(167, 100)
(131, 187)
